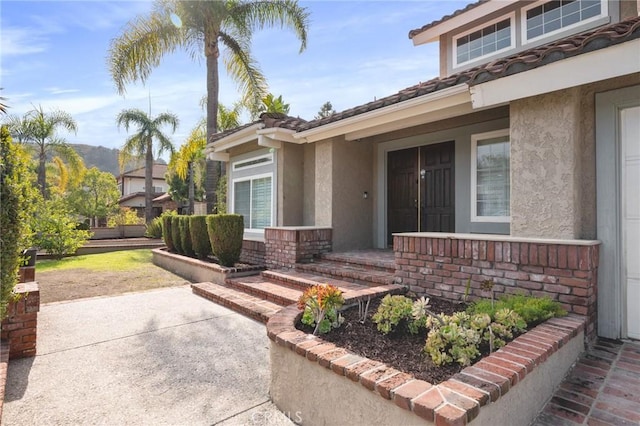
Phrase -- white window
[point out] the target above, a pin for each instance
(252, 198)
(253, 162)
(490, 177)
(543, 18)
(478, 43)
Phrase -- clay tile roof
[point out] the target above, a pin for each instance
(269, 119)
(467, 8)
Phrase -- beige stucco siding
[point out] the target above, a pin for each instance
(290, 185)
(553, 178)
(323, 182)
(309, 176)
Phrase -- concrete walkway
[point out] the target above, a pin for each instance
(162, 357)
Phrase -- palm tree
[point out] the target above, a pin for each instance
(185, 161)
(202, 26)
(141, 145)
(39, 128)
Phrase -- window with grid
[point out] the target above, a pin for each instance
(491, 177)
(555, 15)
(484, 42)
(252, 200)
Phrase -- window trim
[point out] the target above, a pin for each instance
(474, 176)
(454, 39)
(235, 165)
(604, 11)
(233, 199)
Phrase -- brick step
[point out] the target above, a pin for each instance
(246, 304)
(302, 281)
(265, 288)
(347, 272)
(379, 260)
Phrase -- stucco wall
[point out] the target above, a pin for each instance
(309, 199)
(323, 183)
(352, 177)
(545, 160)
(291, 185)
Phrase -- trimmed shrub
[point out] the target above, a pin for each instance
(185, 236)
(200, 236)
(154, 228)
(175, 234)
(225, 233)
(167, 235)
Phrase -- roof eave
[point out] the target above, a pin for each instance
(241, 137)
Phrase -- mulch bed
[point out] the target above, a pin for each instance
(399, 349)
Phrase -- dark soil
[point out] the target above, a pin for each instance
(399, 349)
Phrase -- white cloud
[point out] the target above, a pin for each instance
(21, 41)
(58, 91)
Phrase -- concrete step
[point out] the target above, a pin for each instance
(246, 304)
(264, 288)
(359, 274)
(379, 260)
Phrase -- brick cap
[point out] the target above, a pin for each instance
(495, 237)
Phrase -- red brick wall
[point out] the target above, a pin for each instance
(284, 247)
(20, 326)
(252, 252)
(564, 271)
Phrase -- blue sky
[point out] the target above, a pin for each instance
(53, 53)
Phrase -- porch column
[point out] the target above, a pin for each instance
(546, 166)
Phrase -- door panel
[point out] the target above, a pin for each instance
(402, 192)
(630, 143)
(437, 188)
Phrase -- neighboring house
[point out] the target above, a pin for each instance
(532, 131)
(131, 185)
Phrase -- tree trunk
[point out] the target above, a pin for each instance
(213, 167)
(192, 190)
(148, 183)
(42, 171)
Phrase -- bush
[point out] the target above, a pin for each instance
(395, 312)
(321, 305)
(533, 310)
(167, 233)
(185, 236)
(154, 228)
(225, 233)
(125, 216)
(200, 236)
(175, 234)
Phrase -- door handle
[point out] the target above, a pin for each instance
(415, 203)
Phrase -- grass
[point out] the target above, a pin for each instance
(125, 260)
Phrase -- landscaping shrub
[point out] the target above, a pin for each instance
(154, 228)
(185, 236)
(167, 234)
(200, 236)
(533, 310)
(175, 234)
(225, 233)
(395, 312)
(321, 304)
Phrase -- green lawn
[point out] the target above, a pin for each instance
(115, 261)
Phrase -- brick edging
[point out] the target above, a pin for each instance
(455, 401)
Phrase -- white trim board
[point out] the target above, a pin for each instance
(563, 74)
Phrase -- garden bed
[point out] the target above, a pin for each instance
(321, 381)
(196, 270)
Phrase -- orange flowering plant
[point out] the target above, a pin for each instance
(321, 304)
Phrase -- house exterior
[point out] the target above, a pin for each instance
(525, 152)
(131, 185)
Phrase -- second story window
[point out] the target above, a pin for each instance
(545, 18)
(485, 41)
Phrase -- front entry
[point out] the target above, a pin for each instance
(420, 189)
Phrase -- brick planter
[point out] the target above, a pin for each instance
(19, 329)
(286, 246)
(442, 264)
(320, 383)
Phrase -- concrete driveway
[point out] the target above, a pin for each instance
(158, 357)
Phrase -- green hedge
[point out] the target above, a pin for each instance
(200, 236)
(185, 236)
(225, 234)
(166, 232)
(175, 234)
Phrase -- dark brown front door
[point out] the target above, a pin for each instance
(420, 189)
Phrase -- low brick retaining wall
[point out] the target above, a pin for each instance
(196, 270)
(320, 383)
(286, 246)
(442, 264)
(253, 252)
(20, 326)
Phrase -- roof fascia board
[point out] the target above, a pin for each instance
(576, 71)
(279, 134)
(268, 142)
(235, 139)
(434, 33)
(219, 156)
(441, 99)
